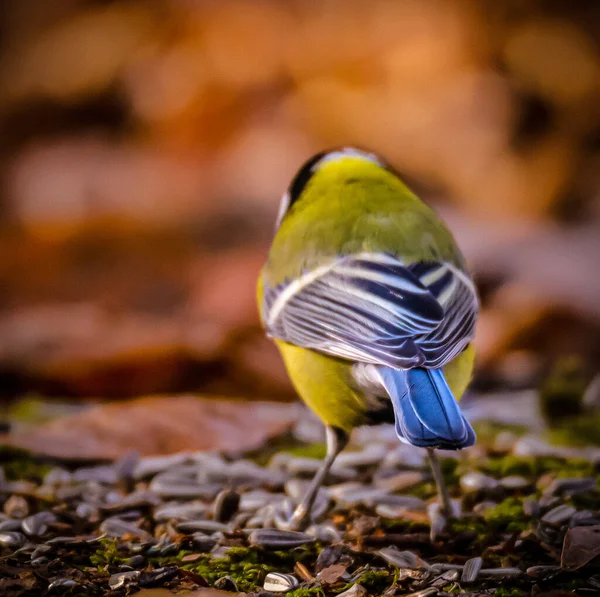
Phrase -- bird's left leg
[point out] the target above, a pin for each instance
(337, 439)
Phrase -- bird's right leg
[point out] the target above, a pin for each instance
(337, 439)
(445, 502)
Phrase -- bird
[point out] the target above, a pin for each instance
(372, 307)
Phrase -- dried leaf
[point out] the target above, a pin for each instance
(581, 546)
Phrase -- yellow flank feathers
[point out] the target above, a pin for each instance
(459, 371)
(325, 384)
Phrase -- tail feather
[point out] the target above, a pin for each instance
(427, 414)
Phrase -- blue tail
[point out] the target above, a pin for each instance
(427, 414)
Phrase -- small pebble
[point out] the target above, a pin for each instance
(277, 582)
(471, 570)
(276, 539)
(16, 506)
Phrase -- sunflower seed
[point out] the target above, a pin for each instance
(477, 482)
(424, 593)
(226, 583)
(227, 504)
(12, 539)
(543, 572)
(354, 591)
(116, 527)
(499, 572)
(471, 570)
(325, 533)
(403, 559)
(36, 525)
(10, 525)
(257, 498)
(62, 583)
(176, 511)
(85, 511)
(400, 481)
(164, 486)
(570, 487)
(203, 543)
(276, 539)
(277, 582)
(57, 476)
(371, 455)
(515, 483)
(203, 526)
(121, 579)
(559, 515)
(447, 577)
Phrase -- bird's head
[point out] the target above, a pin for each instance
(329, 170)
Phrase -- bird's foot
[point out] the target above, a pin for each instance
(298, 521)
(439, 517)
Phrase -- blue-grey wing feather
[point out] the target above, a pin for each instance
(372, 308)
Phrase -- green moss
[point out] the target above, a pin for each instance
(508, 516)
(307, 592)
(288, 444)
(581, 430)
(317, 451)
(488, 430)
(460, 525)
(375, 581)
(19, 464)
(249, 566)
(107, 554)
(509, 592)
(562, 391)
(528, 466)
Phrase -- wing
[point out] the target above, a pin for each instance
(371, 308)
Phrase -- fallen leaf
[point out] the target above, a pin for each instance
(580, 547)
(332, 574)
(158, 425)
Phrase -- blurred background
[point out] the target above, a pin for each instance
(144, 147)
